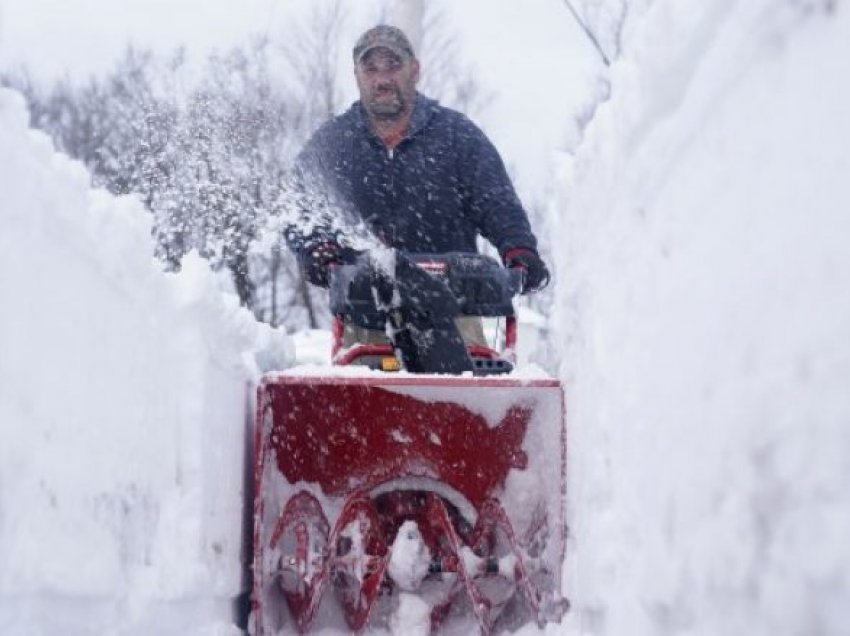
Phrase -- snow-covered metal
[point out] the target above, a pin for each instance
(374, 485)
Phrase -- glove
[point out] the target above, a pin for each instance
(536, 273)
(317, 263)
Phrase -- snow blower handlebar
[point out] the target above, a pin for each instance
(425, 293)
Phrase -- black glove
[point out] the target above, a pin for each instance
(536, 274)
(317, 263)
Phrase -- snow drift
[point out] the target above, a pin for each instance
(703, 306)
(124, 398)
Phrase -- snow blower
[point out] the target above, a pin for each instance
(419, 481)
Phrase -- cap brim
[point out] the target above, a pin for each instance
(400, 52)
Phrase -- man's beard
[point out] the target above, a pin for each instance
(388, 109)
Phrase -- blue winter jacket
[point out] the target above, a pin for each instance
(443, 184)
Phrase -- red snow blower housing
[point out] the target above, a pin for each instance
(436, 492)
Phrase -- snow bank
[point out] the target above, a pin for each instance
(704, 305)
(124, 398)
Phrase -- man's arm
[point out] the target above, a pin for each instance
(310, 225)
(492, 201)
(305, 201)
(497, 210)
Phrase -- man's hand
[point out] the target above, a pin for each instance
(317, 264)
(536, 273)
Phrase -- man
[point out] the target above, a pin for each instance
(421, 177)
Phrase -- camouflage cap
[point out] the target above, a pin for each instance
(385, 36)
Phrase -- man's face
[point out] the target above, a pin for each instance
(387, 83)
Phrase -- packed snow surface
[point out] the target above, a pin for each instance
(123, 400)
(703, 309)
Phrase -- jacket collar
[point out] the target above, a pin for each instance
(424, 109)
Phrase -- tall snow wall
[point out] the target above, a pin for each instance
(704, 307)
(124, 399)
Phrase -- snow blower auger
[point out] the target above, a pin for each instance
(431, 498)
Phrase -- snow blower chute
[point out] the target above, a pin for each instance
(437, 493)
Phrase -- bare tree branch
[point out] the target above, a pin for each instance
(590, 35)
